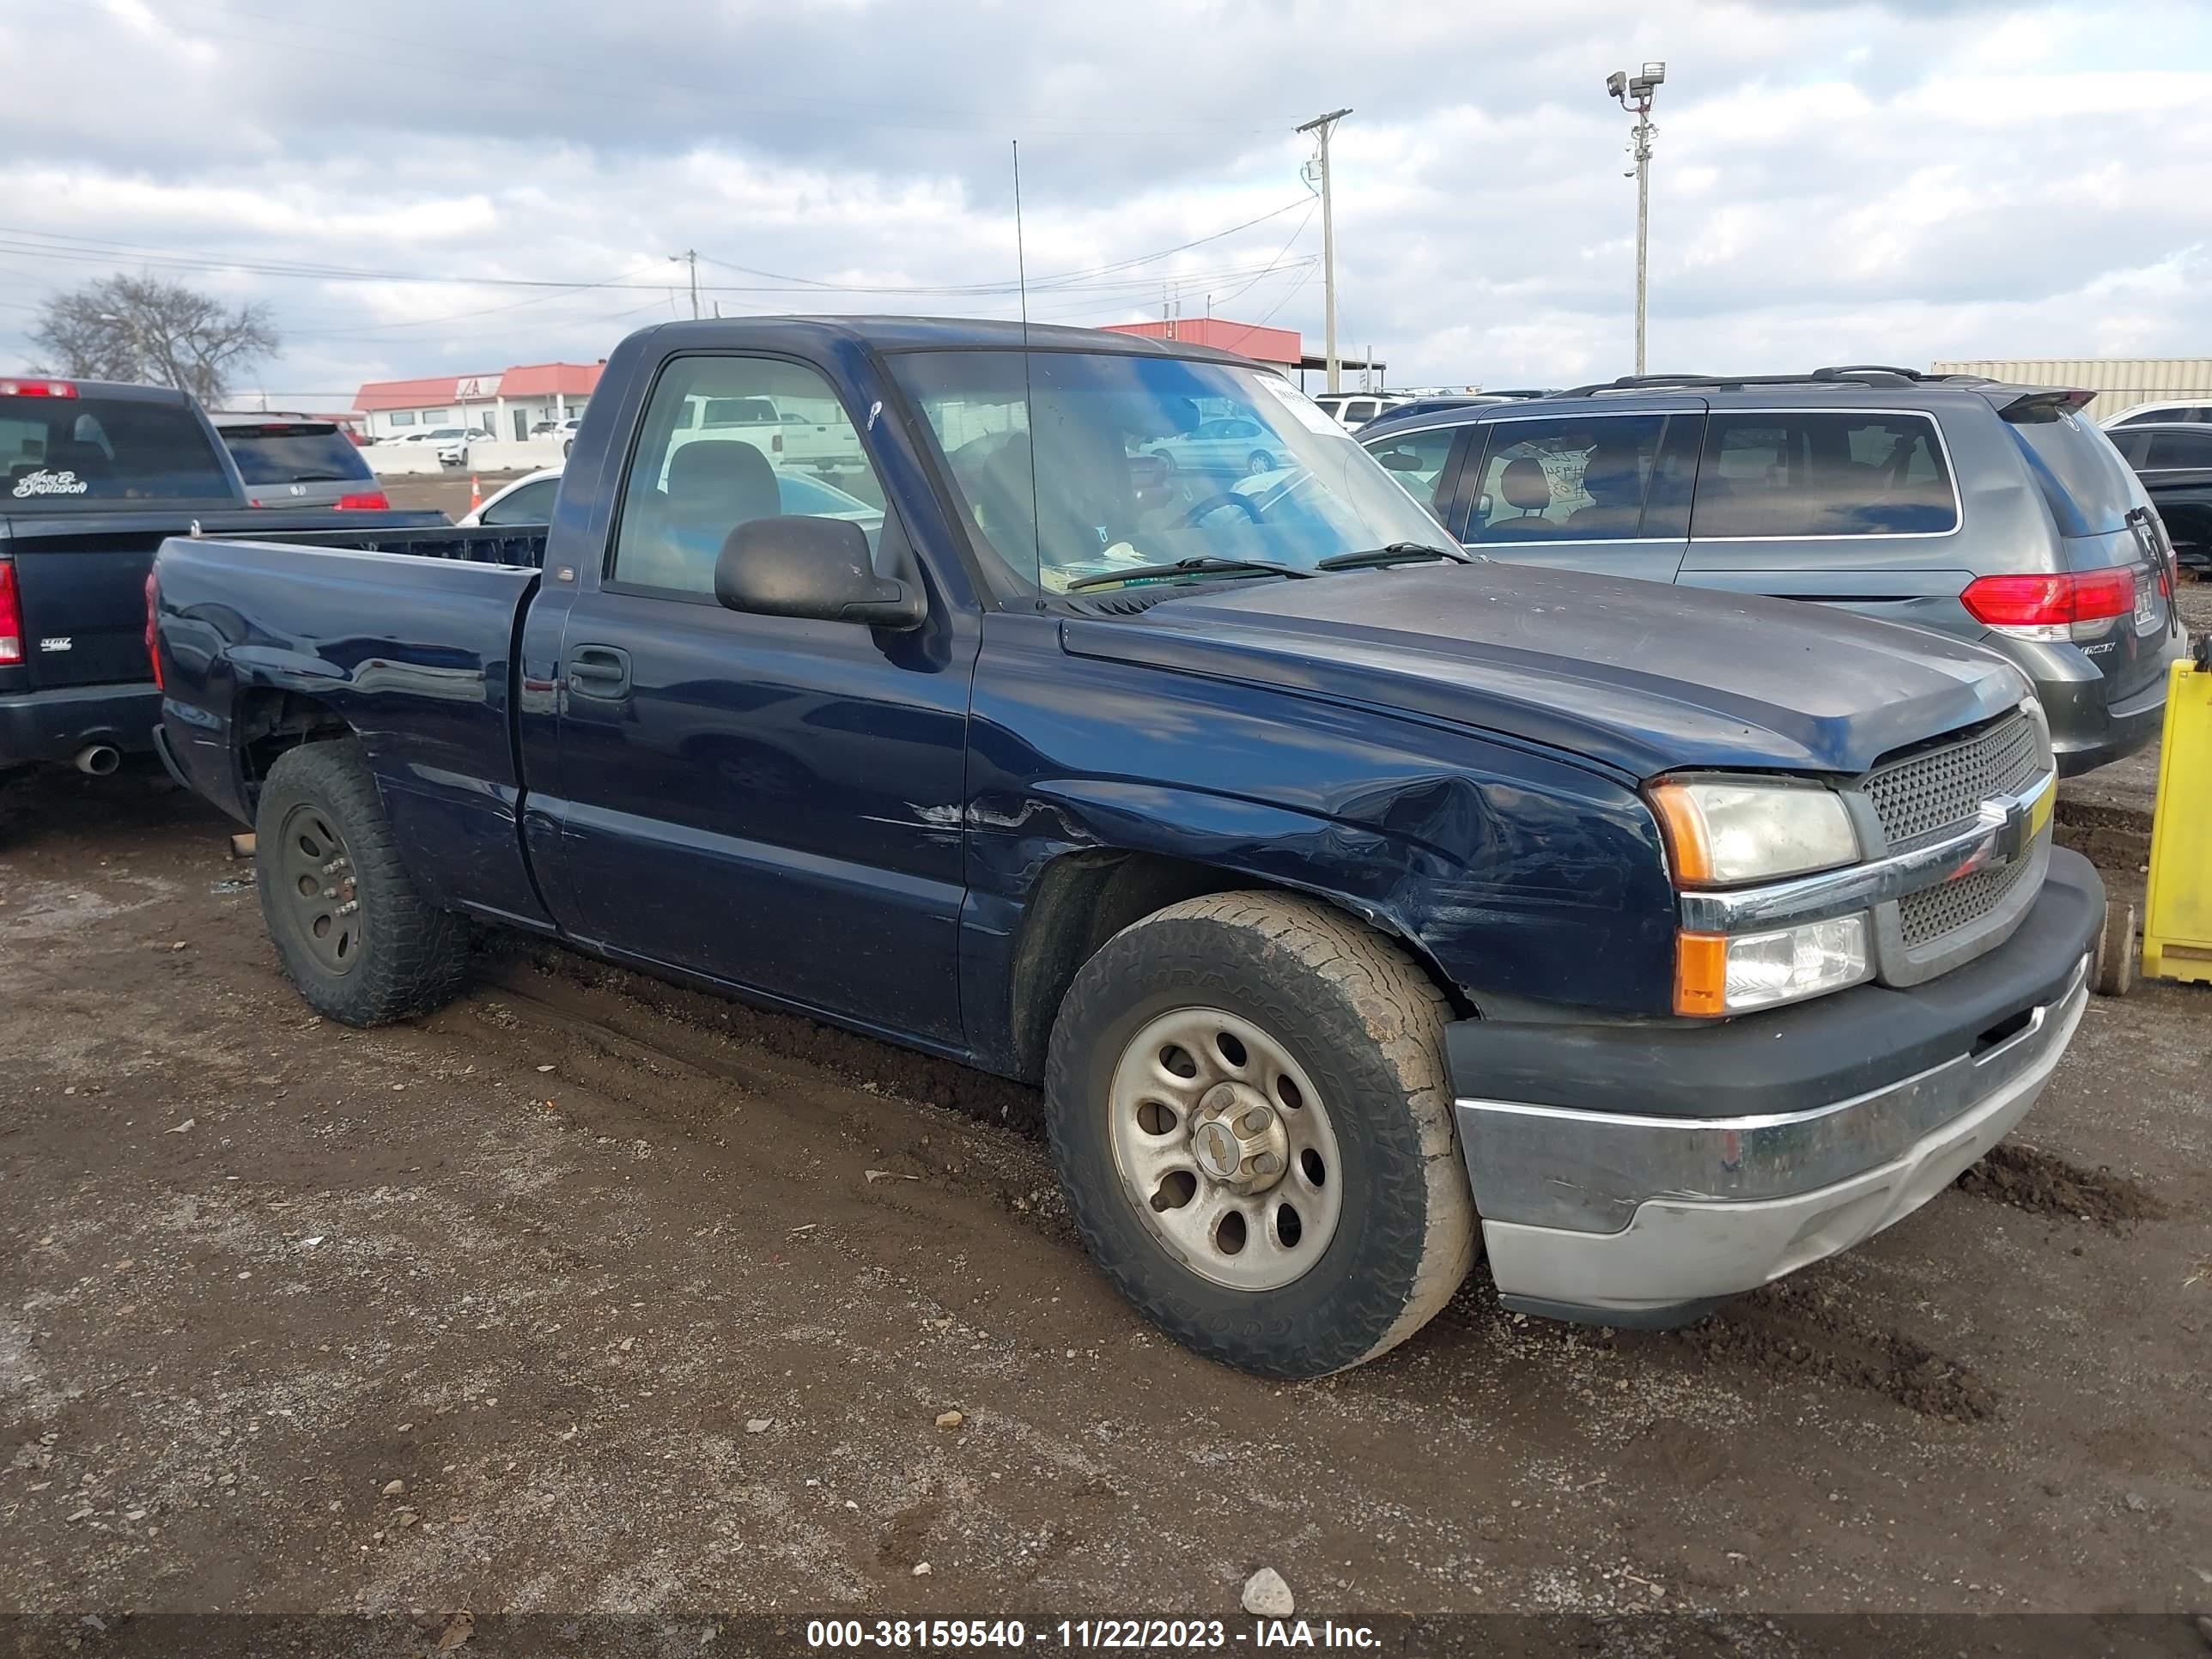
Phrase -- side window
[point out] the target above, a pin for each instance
(2180, 449)
(689, 486)
(1417, 462)
(1581, 478)
(2131, 444)
(1820, 472)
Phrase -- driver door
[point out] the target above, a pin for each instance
(773, 802)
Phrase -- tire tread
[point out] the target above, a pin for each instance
(416, 956)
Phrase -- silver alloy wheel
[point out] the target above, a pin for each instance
(1226, 1148)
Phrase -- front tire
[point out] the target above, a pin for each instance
(1248, 1106)
(1257, 462)
(353, 935)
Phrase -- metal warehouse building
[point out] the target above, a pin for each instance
(2120, 383)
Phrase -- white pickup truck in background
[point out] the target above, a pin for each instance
(791, 435)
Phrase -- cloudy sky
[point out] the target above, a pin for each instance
(427, 186)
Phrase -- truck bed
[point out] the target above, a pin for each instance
(407, 637)
(79, 577)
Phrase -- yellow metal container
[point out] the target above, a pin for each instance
(2177, 911)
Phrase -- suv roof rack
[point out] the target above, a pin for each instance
(1865, 374)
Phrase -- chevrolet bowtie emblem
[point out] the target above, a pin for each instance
(2013, 824)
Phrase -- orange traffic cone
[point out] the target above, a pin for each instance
(475, 493)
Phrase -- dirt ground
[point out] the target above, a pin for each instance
(588, 1293)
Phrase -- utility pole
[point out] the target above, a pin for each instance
(1634, 93)
(691, 257)
(1321, 126)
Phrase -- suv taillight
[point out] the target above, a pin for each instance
(152, 638)
(11, 616)
(2076, 604)
(374, 501)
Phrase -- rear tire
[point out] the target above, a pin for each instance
(1257, 462)
(1319, 1046)
(351, 932)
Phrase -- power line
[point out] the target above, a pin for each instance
(1275, 262)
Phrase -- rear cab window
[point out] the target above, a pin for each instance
(64, 452)
(1787, 474)
(294, 452)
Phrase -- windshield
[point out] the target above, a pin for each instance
(295, 452)
(1093, 462)
(61, 452)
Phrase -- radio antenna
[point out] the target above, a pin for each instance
(1028, 392)
(1021, 260)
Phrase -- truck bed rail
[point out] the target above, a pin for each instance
(522, 549)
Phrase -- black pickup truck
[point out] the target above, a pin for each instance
(1353, 900)
(95, 477)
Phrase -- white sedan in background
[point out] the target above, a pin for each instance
(1232, 445)
(529, 501)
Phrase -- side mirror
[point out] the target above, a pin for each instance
(817, 567)
(1400, 460)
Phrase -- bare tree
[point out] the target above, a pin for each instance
(141, 328)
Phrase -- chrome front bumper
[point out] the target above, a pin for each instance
(1648, 1220)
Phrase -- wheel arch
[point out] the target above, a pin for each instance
(266, 721)
(1085, 896)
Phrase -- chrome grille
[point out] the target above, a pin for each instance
(1917, 797)
(1928, 914)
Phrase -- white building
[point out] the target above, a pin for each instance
(507, 404)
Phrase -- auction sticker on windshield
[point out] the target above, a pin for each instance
(1308, 413)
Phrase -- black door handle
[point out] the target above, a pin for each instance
(598, 670)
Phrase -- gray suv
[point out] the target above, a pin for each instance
(297, 460)
(1996, 512)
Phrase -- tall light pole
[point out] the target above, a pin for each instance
(1321, 126)
(691, 257)
(1634, 93)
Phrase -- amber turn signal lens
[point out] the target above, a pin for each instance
(1684, 827)
(1700, 975)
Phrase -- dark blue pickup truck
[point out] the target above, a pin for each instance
(94, 477)
(1354, 901)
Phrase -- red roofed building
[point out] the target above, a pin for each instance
(1279, 348)
(508, 405)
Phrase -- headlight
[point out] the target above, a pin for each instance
(1720, 832)
(1720, 974)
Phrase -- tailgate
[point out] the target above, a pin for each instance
(83, 590)
(2132, 651)
(2104, 522)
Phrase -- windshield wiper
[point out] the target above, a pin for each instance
(1395, 553)
(1190, 568)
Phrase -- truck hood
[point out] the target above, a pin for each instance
(1640, 677)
